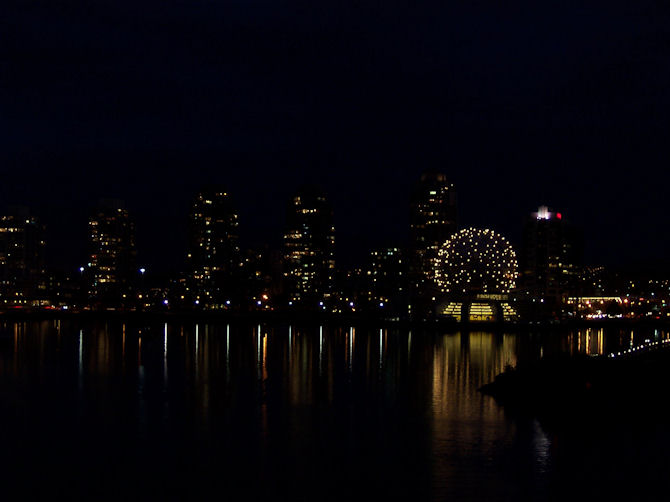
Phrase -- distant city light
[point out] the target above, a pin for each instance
(81, 269)
(165, 301)
(142, 270)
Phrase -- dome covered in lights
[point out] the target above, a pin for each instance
(476, 261)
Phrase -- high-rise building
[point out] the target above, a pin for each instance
(433, 219)
(387, 279)
(309, 248)
(551, 254)
(113, 256)
(22, 270)
(214, 259)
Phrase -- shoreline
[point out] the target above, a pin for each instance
(331, 319)
(563, 391)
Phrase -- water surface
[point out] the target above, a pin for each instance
(275, 412)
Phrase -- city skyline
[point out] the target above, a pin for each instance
(562, 105)
(446, 270)
(66, 246)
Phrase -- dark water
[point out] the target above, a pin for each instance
(244, 412)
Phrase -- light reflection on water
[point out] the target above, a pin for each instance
(290, 408)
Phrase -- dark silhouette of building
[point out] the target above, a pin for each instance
(309, 249)
(387, 280)
(433, 219)
(550, 256)
(112, 263)
(353, 289)
(22, 270)
(263, 277)
(596, 281)
(379, 287)
(67, 290)
(214, 259)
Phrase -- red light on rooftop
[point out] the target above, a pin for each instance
(559, 215)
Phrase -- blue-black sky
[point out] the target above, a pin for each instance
(519, 103)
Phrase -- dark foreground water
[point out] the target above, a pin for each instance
(275, 412)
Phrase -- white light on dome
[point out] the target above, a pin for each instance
(476, 260)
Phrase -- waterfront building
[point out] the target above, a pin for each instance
(550, 257)
(112, 260)
(353, 290)
(380, 286)
(67, 290)
(309, 249)
(476, 270)
(263, 278)
(433, 219)
(387, 280)
(214, 260)
(22, 269)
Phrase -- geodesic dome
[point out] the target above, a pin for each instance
(476, 261)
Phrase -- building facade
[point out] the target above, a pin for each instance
(433, 220)
(550, 256)
(22, 269)
(214, 259)
(387, 280)
(309, 249)
(112, 261)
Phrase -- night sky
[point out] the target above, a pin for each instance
(519, 103)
